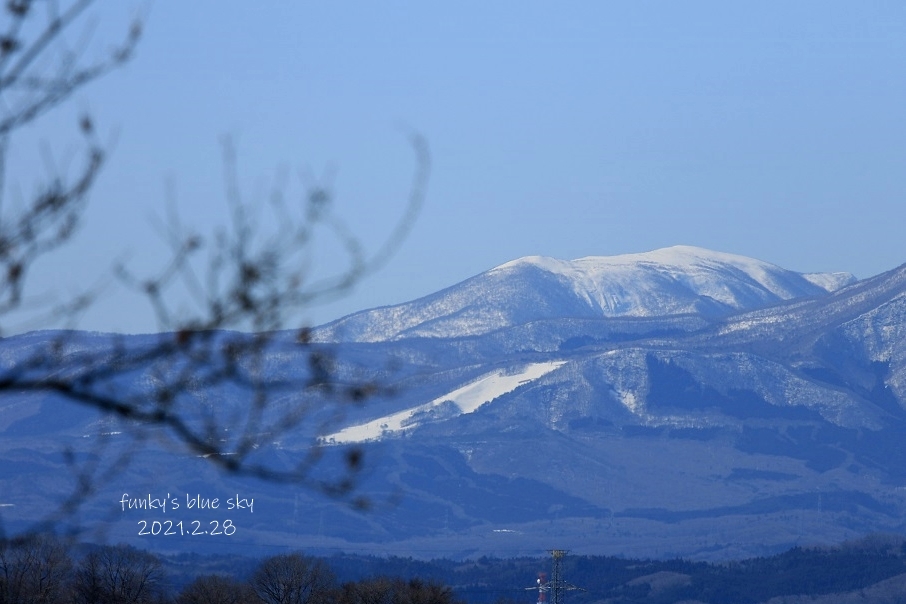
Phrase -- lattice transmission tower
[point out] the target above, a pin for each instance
(557, 585)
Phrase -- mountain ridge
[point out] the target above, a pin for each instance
(669, 281)
(711, 433)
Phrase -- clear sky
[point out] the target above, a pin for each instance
(771, 129)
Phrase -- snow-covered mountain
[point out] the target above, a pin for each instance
(720, 437)
(679, 402)
(671, 281)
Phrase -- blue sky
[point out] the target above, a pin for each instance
(775, 130)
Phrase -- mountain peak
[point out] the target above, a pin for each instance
(677, 259)
(676, 262)
(679, 256)
(678, 280)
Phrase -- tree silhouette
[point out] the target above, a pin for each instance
(36, 570)
(293, 579)
(118, 574)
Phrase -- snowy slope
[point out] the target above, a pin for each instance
(671, 281)
(465, 399)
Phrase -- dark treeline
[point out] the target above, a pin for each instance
(46, 570)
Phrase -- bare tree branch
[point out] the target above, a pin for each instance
(243, 276)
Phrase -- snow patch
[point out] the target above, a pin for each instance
(466, 399)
